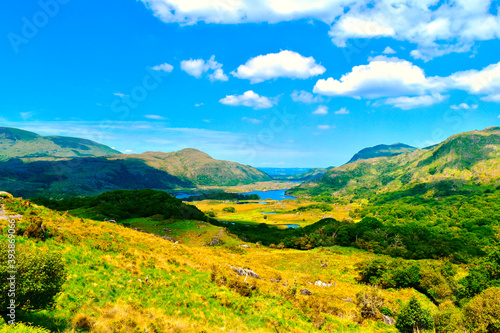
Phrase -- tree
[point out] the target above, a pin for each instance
(482, 313)
(413, 318)
(229, 209)
(38, 279)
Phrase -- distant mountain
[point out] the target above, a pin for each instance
(469, 157)
(283, 172)
(16, 143)
(295, 174)
(61, 178)
(382, 150)
(199, 168)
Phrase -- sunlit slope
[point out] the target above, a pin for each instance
(16, 143)
(465, 157)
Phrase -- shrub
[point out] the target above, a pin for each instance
(413, 318)
(229, 209)
(39, 278)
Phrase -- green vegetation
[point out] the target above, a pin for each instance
(382, 150)
(16, 143)
(122, 205)
(413, 318)
(222, 196)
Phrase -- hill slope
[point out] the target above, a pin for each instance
(94, 175)
(466, 157)
(199, 168)
(382, 150)
(16, 143)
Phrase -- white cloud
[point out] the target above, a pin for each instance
(305, 97)
(164, 68)
(154, 116)
(342, 111)
(27, 115)
(388, 50)
(463, 106)
(199, 104)
(252, 120)
(287, 64)
(492, 98)
(250, 99)
(436, 27)
(322, 110)
(408, 103)
(482, 82)
(119, 94)
(382, 77)
(324, 127)
(198, 67)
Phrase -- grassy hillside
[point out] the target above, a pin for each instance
(465, 158)
(62, 178)
(382, 150)
(122, 280)
(16, 143)
(199, 168)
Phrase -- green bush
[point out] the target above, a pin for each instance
(39, 277)
(413, 318)
(229, 209)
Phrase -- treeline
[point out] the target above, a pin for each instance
(124, 204)
(222, 196)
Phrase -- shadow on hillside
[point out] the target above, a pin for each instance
(83, 176)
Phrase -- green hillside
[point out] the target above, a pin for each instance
(199, 168)
(462, 159)
(382, 150)
(62, 178)
(16, 143)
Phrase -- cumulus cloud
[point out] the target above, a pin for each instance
(250, 99)
(463, 106)
(437, 28)
(164, 68)
(321, 110)
(408, 103)
(388, 50)
(382, 77)
(287, 64)
(342, 111)
(198, 67)
(305, 97)
(482, 82)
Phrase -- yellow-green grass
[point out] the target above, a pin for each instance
(108, 265)
(283, 212)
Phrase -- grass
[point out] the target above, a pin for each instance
(108, 264)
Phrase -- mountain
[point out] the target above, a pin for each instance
(382, 150)
(16, 143)
(311, 174)
(299, 174)
(462, 159)
(60, 178)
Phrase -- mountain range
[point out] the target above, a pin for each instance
(34, 165)
(462, 159)
(17, 143)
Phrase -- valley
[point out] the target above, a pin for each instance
(345, 252)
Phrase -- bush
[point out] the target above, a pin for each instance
(413, 318)
(482, 313)
(229, 209)
(39, 278)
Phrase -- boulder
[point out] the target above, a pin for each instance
(388, 320)
(244, 245)
(305, 292)
(244, 272)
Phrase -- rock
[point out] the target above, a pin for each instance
(305, 292)
(347, 300)
(244, 245)
(322, 284)
(166, 229)
(244, 272)
(324, 264)
(388, 320)
(214, 242)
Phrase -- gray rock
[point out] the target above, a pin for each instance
(388, 320)
(305, 292)
(244, 272)
(244, 245)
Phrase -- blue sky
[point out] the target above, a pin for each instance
(269, 83)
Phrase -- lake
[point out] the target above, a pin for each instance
(292, 225)
(273, 195)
